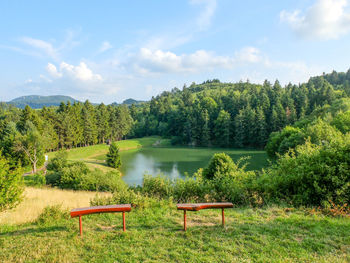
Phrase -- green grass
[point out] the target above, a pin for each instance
(154, 234)
(94, 156)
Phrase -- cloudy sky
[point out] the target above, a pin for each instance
(108, 51)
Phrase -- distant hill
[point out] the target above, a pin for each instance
(37, 101)
(129, 102)
(132, 101)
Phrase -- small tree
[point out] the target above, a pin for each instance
(30, 142)
(113, 157)
(10, 185)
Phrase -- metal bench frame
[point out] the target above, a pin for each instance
(200, 206)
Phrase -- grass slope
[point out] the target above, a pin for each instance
(91, 155)
(154, 234)
(36, 199)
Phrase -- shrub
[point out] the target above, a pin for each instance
(58, 162)
(159, 186)
(52, 214)
(281, 142)
(190, 189)
(113, 157)
(312, 174)
(37, 179)
(11, 185)
(220, 163)
(74, 176)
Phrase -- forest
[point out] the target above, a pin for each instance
(281, 120)
(208, 114)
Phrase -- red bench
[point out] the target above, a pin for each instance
(199, 206)
(99, 209)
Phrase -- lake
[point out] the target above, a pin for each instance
(175, 162)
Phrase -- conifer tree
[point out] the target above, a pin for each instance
(113, 157)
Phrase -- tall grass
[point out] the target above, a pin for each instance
(36, 199)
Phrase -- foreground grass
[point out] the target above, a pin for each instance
(154, 234)
(36, 199)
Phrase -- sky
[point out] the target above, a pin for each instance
(108, 51)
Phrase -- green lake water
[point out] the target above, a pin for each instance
(175, 162)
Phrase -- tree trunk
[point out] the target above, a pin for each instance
(34, 167)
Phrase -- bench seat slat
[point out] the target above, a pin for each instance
(199, 206)
(100, 209)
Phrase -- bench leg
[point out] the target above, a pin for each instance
(223, 217)
(80, 227)
(124, 221)
(185, 220)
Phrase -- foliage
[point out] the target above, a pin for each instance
(311, 174)
(52, 214)
(113, 157)
(76, 175)
(219, 164)
(281, 142)
(30, 143)
(11, 188)
(37, 180)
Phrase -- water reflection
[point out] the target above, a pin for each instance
(175, 162)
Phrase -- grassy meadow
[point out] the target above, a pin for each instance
(154, 234)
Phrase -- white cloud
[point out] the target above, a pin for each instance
(44, 46)
(207, 13)
(168, 62)
(326, 19)
(105, 46)
(52, 70)
(249, 54)
(80, 72)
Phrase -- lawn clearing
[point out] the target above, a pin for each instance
(154, 234)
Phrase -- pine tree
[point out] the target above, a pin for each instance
(113, 157)
(222, 129)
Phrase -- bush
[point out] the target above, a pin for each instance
(159, 186)
(52, 214)
(37, 179)
(77, 176)
(281, 142)
(11, 185)
(58, 162)
(190, 189)
(312, 174)
(220, 163)
(74, 176)
(113, 157)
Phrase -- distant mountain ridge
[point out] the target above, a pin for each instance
(38, 101)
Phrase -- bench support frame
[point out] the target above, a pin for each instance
(222, 216)
(81, 225)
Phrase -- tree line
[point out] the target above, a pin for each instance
(26, 134)
(208, 114)
(231, 114)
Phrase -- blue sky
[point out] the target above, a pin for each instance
(108, 51)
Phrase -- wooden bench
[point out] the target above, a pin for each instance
(99, 209)
(199, 206)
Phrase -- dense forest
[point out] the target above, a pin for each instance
(208, 114)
